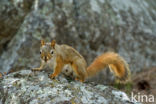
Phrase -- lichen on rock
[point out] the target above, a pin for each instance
(30, 87)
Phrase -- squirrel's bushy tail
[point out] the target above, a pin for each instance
(116, 64)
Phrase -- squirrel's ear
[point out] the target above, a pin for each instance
(42, 42)
(53, 43)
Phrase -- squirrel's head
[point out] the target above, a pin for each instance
(47, 50)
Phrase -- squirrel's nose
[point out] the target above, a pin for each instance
(45, 59)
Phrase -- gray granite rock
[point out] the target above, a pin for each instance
(27, 87)
(12, 14)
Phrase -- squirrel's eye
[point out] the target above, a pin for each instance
(51, 52)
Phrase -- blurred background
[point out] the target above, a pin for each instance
(127, 27)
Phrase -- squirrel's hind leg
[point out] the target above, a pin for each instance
(79, 76)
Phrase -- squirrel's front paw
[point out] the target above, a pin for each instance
(81, 80)
(52, 76)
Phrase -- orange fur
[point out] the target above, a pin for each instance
(58, 68)
(42, 42)
(114, 61)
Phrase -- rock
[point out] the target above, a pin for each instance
(30, 87)
(90, 26)
(12, 16)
